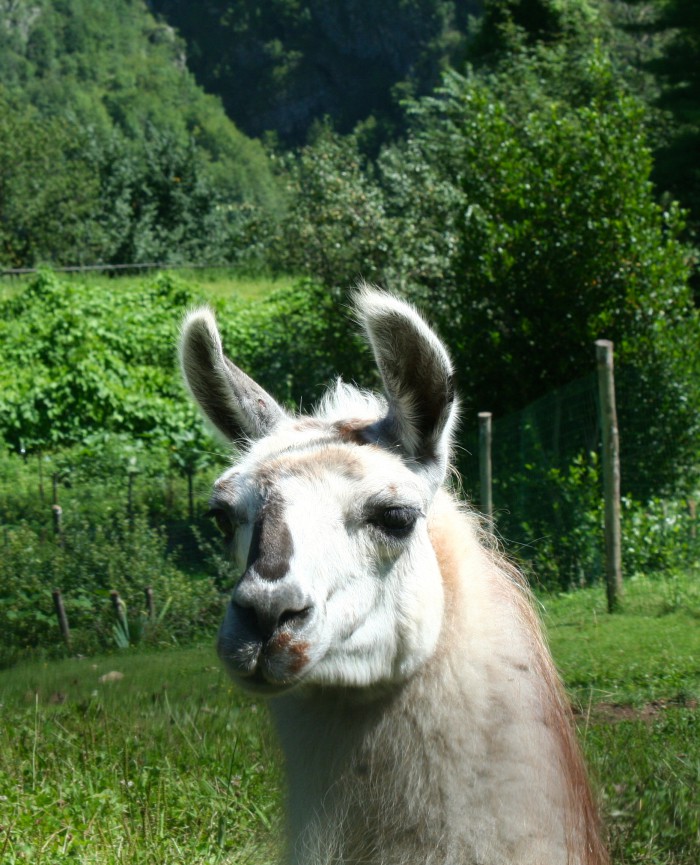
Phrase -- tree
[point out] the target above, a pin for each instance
(507, 25)
(678, 71)
(521, 214)
(48, 195)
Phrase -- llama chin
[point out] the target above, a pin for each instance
(417, 705)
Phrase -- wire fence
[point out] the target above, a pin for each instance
(547, 483)
(547, 489)
(92, 268)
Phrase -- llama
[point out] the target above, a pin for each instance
(419, 711)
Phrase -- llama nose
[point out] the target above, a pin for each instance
(263, 612)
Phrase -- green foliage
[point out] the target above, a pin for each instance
(562, 525)
(508, 25)
(91, 560)
(163, 204)
(281, 66)
(78, 362)
(47, 192)
(659, 536)
(91, 393)
(334, 226)
(520, 214)
(675, 25)
(107, 146)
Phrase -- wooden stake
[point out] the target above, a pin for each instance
(118, 606)
(611, 472)
(62, 617)
(485, 471)
(150, 605)
(57, 514)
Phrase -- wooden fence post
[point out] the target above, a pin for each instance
(611, 472)
(485, 470)
(150, 605)
(118, 606)
(62, 617)
(57, 515)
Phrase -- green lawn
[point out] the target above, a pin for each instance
(171, 765)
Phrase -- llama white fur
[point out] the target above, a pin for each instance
(418, 709)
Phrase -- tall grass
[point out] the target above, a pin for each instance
(213, 282)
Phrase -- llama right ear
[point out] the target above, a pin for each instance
(417, 375)
(236, 405)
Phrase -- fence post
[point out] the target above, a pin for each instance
(62, 617)
(118, 606)
(611, 472)
(57, 515)
(485, 471)
(150, 604)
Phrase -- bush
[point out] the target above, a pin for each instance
(86, 565)
(78, 362)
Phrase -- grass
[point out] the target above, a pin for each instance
(166, 765)
(171, 765)
(212, 282)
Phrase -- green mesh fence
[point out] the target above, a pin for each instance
(547, 478)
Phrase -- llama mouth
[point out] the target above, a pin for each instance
(271, 665)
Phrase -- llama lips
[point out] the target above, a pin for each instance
(263, 664)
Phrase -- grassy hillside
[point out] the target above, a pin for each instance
(171, 764)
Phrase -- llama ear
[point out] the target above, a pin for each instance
(417, 376)
(236, 405)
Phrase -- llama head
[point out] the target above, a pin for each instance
(326, 514)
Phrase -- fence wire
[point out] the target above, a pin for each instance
(547, 480)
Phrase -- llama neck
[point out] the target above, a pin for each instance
(469, 761)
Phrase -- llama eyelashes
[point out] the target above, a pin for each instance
(397, 522)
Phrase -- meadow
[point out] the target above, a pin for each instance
(171, 764)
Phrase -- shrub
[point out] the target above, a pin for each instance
(86, 565)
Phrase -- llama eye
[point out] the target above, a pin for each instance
(223, 522)
(398, 522)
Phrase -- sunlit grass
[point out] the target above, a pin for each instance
(213, 283)
(171, 765)
(166, 765)
(649, 651)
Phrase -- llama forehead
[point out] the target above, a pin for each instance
(303, 469)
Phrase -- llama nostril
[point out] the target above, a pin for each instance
(264, 621)
(295, 618)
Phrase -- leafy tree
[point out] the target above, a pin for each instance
(162, 204)
(526, 225)
(507, 25)
(48, 195)
(87, 75)
(676, 24)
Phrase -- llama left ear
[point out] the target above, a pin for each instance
(235, 404)
(417, 375)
